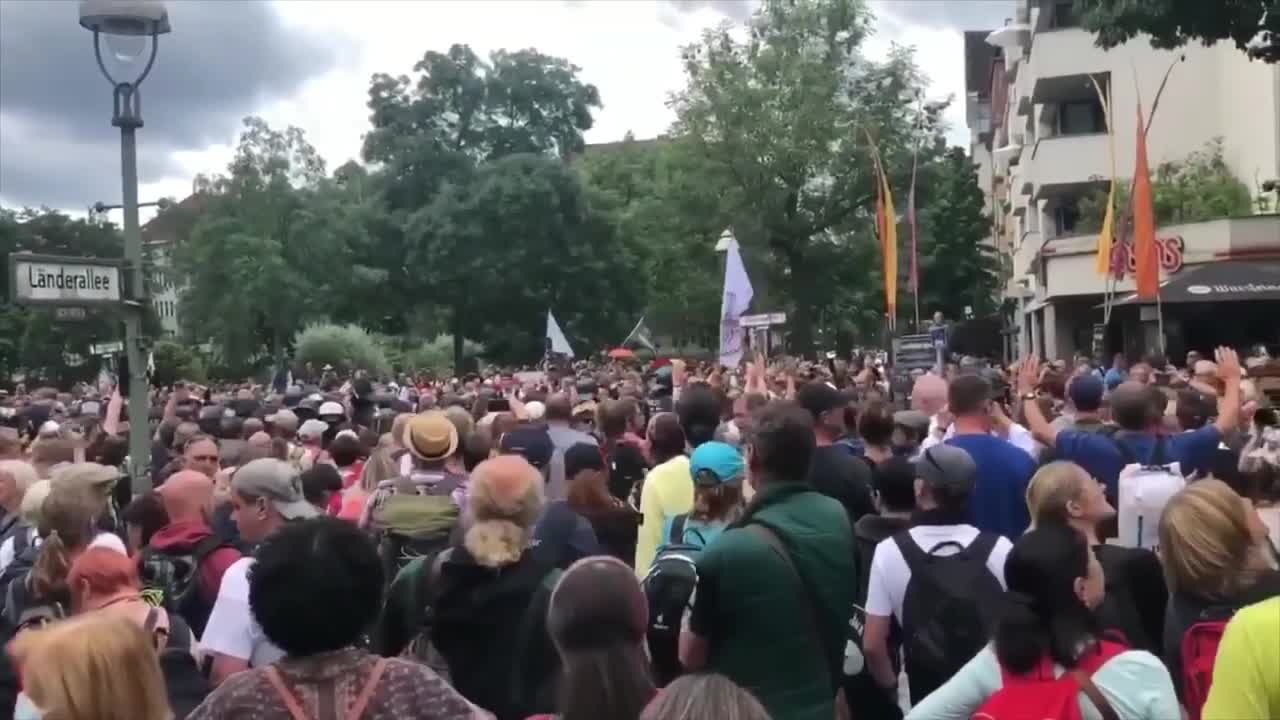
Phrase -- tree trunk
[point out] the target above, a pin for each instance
(800, 323)
(457, 340)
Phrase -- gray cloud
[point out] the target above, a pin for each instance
(736, 10)
(222, 61)
(957, 14)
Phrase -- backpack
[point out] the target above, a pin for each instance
(413, 525)
(21, 614)
(946, 610)
(171, 580)
(1038, 694)
(1199, 650)
(1143, 489)
(669, 587)
(25, 553)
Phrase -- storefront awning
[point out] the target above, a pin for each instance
(1222, 281)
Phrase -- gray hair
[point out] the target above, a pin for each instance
(23, 474)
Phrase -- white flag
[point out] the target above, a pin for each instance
(737, 297)
(640, 335)
(556, 340)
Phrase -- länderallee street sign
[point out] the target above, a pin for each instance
(56, 280)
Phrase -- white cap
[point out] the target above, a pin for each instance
(313, 429)
(535, 409)
(49, 429)
(331, 408)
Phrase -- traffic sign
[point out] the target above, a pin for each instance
(107, 348)
(70, 312)
(57, 280)
(762, 320)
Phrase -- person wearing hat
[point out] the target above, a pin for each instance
(613, 522)
(944, 486)
(1084, 405)
(718, 473)
(311, 443)
(265, 494)
(431, 440)
(833, 471)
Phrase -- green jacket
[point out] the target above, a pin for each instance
(756, 618)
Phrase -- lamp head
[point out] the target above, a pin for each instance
(125, 17)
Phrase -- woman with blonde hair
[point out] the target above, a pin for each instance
(1064, 493)
(1215, 565)
(73, 671)
(704, 697)
(485, 620)
(380, 466)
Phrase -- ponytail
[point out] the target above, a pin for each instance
(49, 572)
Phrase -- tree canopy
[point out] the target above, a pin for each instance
(1253, 25)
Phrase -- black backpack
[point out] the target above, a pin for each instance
(171, 581)
(669, 586)
(22, 611)
(947, 609)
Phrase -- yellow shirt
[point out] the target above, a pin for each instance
(1246, 672)
(667, 492)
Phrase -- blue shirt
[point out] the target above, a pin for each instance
(1101, 455)
(999, 501)
(1114, 377)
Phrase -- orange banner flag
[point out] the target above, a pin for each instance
(889, 247)
(1147, 273)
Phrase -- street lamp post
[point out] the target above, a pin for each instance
(128, 27)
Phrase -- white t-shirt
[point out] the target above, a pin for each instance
(887, 586)
(232, 630)
(1019, 437)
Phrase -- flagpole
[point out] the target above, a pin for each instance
(911, 214)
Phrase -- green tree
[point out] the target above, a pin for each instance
(175, 361)
(784, 115)
(32, 340)
(433, 136)
(1253, 25)
(958, 266)
(254, 270)
(345, 347)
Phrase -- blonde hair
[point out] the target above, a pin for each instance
(397, 429)
(504, 499)
(33, 502)
(380, 466)
(1051, 488)
(1205, 541)
(66, 524)
(71, 670)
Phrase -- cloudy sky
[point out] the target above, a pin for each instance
(308, 63)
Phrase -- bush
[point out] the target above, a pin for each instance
(176, 361)
(346, 347)
(436, 355)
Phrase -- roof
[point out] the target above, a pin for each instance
(173, 220)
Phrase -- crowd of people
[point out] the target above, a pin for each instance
(782, 540)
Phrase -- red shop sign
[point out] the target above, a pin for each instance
(1169, 253)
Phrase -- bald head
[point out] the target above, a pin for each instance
(260, 440)
(187, 495)
(929, 394)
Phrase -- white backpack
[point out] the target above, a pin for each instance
(1143, 490)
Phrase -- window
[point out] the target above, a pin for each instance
(1081, 117)
(1063, 15)
(1066, 218)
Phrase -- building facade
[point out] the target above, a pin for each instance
(1043, 150)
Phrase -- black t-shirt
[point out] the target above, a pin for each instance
(837, 474)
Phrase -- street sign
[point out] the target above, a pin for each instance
(55, 280)
(107, 348)
(70, 312)
(762, 320)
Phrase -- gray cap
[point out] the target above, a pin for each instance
(913, 419)
(947, 470)
(277, 481)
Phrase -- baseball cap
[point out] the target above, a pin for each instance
(535, 409)
(331, 408)
(818, 398)
(914, 420)
(582, 456)
(431, 436)
(947, 470)
(715, 463)
(277, 481)
(313, 429)
(533, 443)
(1085, 392)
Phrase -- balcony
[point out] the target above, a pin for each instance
(1023, 84)
(1026, 182)
(1068, 164)
(1062, 61)
(1025, 255)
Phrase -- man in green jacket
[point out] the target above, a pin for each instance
(773, 616)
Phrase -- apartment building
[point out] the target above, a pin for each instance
(1039, 139)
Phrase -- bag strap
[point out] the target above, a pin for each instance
(807, 598)
(1094, 694)
(362, 700)
(677, 529)
(295, 710)
(204, 548)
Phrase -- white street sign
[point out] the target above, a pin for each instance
(44, 279)
(762, 320)
(106, 348)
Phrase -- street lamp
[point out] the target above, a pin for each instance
(128, 27)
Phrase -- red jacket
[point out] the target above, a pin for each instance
(181, 537)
